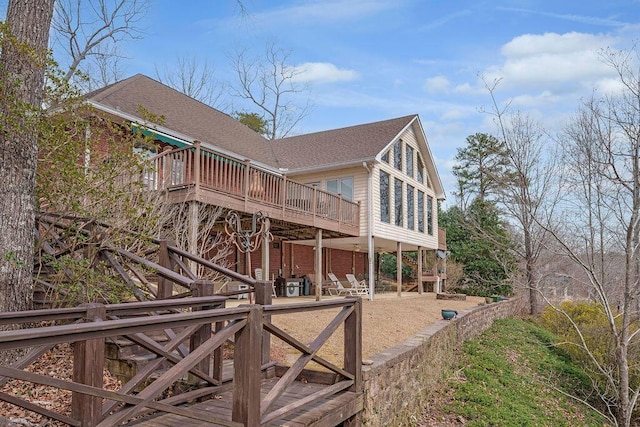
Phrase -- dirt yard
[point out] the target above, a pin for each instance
(386, 321)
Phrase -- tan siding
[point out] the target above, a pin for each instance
(391, 231)
(359, 175)
(381, 229)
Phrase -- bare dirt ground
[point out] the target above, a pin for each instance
(387, 321)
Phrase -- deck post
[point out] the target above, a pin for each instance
(88, 366)
(284, 194)
(419, 268)
(264, 296)
(399, 268)
(202, 288)
(165, 286)
(353, 345)
(247, 370)
(193, 223)
(318, 264)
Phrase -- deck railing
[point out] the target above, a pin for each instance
(205, 169)
(246, 325)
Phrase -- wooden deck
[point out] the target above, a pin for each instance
(200, 174)
(328, 411)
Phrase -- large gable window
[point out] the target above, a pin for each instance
(385, 205)
(397, 155)
(430, 215)
(410, 205)
(421, 211)
(419, 170)
(409, 161)
(385, 157)
(397, 194)
(342, 186)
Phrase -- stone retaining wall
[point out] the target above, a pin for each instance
(401, 377)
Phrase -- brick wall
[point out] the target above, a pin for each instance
(401, 377)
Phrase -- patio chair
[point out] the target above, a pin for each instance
(258, 275)
(359, 287)
(336, 287)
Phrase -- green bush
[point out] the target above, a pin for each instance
(597, 338)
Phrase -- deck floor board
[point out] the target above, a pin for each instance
(328, 411)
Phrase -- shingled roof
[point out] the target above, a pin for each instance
(342, 146)
(192, 119)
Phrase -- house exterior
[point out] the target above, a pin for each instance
(335, 199)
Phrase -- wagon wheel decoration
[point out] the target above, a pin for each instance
(248, 240)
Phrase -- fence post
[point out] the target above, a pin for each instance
(247, 370)
(353, 344)
(88, 367)
(165, 286)
(264, 296)
(203, 288)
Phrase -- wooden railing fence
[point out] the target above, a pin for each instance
(160, 271)
(203, 168)
(249, 327)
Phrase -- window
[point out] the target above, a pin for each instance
(430, 215)
(342, 186)
(149, 172)
(420, 170)
(410, 212)
(385, 212)
(421, 211)
(410, 161)
(397, 155)
(385, 157)
(398, 202)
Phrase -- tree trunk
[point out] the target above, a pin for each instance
(22, 66)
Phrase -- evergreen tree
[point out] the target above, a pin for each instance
(481, 167)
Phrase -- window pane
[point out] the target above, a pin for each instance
(410, 161)
(421, 211)
(385, 157)
(384, 198)
(397, 155)
(346, 188)
(420, 171)
(430, 215)
(410, 214)
(398, 201)
(332, 186)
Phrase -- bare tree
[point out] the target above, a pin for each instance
(93, 28)
(526, 191)
(271, 84)
(193, 78)
(22, 69)
(601, 230)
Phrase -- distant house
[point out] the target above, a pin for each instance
(347, 194)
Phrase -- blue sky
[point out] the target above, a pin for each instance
(370, 60)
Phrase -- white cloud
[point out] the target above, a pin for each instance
(438, 84)
(322, 72)
(551, 61)
(529, 45)
(545, 98)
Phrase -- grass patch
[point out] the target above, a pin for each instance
(511, 375)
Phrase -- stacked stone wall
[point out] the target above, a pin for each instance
(402, 377)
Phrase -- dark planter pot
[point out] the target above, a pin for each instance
(449, 314)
